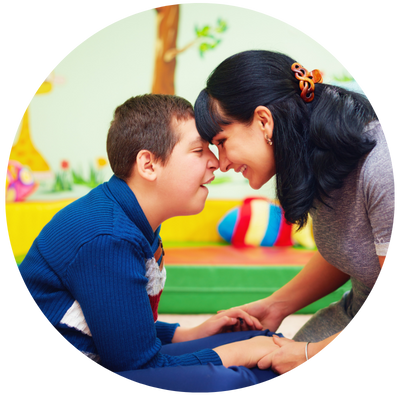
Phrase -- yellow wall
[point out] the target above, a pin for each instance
(25, 220)
(198, 228)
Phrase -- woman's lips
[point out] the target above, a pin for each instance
(243, 168)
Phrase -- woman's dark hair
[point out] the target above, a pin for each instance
(316, 144)
(145, 122)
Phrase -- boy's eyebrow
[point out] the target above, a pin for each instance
(197, 142)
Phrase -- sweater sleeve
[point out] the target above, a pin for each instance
(108, 280)
(165, 331)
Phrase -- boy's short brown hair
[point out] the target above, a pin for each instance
(145, 122)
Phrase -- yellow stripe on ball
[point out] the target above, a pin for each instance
(258, 222)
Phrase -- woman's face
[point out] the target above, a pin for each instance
(245, 149)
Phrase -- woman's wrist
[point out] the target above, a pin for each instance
(278, 308)
(314, 348)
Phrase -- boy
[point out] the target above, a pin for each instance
(97, 268)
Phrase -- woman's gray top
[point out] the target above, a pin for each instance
(354, 232)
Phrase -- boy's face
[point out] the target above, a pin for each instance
(191, 166)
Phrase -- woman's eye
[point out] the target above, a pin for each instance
(221, 142)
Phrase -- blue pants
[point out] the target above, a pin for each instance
(202, 378)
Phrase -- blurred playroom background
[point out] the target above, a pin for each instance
(238, 249)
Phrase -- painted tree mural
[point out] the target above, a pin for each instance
(166, 51)
(24, 150)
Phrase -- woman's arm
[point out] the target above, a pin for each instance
(317, 279)
(291, 354)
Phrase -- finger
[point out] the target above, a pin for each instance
(238, 325)
(241, 325)
(252, 322)
(265, 362)
(281, 341)
(225, 322)
(230, 311)
(257, 324)
(244, 326)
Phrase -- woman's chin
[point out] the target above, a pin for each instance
(257, 184)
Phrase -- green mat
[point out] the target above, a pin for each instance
(205, 289)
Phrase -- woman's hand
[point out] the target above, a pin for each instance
(291, 354)
(287, 356)
(232, 320)
(317, 279)
(246, 353)
(269, 313)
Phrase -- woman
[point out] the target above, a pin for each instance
(269, 117)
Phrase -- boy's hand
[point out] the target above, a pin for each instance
(246, 353)
(232, 320)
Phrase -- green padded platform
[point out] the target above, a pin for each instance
(207, 289)
(208, 278)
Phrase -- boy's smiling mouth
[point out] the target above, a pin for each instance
(209, 181)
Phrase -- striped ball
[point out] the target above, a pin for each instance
(257, 222)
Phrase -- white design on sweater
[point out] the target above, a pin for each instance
(155, 276)
(74, 318)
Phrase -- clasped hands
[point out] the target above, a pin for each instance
(279, 354)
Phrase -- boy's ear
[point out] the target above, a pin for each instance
(145, 164)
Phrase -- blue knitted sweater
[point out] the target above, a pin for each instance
(87, 272)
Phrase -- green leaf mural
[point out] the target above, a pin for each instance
(209, 36)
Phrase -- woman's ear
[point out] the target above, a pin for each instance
(263, 118)
(146, 165)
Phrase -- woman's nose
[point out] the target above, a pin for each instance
(223, 161)
(214, 163)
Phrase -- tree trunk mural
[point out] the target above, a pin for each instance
(167, 32)
(207, 38)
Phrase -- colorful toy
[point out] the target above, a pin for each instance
(260, 221)
(257, 222)
(19, 181)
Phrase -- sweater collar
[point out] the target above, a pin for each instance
(125, 197)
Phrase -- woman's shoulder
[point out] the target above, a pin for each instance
(376, 170)
(379, 156)
(374, 130)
